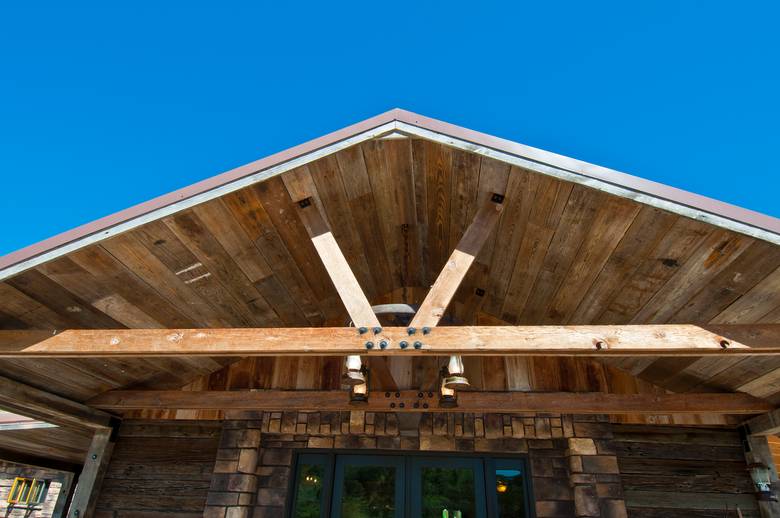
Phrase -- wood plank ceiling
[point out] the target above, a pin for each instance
(561, 254)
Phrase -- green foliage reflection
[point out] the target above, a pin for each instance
(309, 491)
(369, 492)
(447, 489)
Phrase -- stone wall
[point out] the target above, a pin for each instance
(572, 460)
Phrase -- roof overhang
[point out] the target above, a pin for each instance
(395, 121)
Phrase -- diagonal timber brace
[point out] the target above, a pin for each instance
(451, 276)
(346, 284)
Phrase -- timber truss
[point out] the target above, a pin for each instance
(423, 336)
(366, 338)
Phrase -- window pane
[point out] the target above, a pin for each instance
(369, 492)
(308, 492)
(510, 489)
(447, 493)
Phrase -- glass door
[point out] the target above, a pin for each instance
(368, 487)
(447, 487)
(354, 485)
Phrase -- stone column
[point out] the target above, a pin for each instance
(234, 482)
(593, 470)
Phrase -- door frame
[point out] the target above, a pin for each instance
(488, 458)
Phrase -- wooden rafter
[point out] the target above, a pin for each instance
(595, 341)
(411, 401)
(439, 297)
(32, 402)
(346, 284)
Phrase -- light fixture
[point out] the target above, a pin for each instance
(448, 398)
(456, 379)
(501, 486)
(358, 393)
(760, 474)
(354, 371)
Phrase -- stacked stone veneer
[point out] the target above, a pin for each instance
(573, 464)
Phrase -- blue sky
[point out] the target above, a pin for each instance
(104, 106)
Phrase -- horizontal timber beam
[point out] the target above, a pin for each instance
(414, 401)
(26, 459)
(766, 424)
(32, 402)
(623, 340)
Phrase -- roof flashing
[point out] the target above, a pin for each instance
(399, 123)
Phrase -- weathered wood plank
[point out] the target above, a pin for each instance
(653, 340)
(29, 401)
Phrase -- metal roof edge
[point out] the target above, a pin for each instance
(604, 174)
(258, 170)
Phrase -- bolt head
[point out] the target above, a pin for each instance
(418, 345)
(410, 331)
(362, 330)
(377, 330)
(369, 345)
(404, 344)
(383, 344)
(426, 330)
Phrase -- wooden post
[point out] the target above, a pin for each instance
(65, 496)
(757, 451)
(91, 477)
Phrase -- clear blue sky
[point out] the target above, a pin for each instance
(104, 107)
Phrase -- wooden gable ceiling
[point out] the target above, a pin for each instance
(563, 253)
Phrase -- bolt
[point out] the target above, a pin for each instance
(426, 330)
(383, 344)
(425, 405)
(401, 405)
(397, 394)
(420, 394)
(410, 331)
(377, 330)
(416, 404)
(387, 394)
(362, 330)
(94, 456)
(724, 344)
(369, 345)
(404, 344)
(418, 344)
(430, 394)
(599, 345)
(392, 405)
